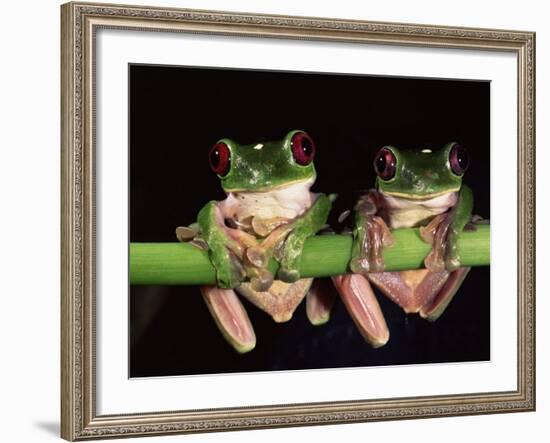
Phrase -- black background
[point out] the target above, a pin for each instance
(177, 114)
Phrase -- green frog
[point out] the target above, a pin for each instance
(414, 189)
(269, 212)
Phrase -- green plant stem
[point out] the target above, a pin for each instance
(324, 255)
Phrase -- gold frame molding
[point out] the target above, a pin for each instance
(79, 22)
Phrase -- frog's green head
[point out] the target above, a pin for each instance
(420, 174)
(264, 166)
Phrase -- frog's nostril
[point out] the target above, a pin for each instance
(432, 174)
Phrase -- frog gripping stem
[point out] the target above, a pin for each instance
(371, 236)
(444, 231)
(303, 227)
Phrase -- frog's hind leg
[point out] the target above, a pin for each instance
(432, 311)
(420, 291)
(409, 289)
(280, 300)
(361, 303)
(319, 301)
(230, 316)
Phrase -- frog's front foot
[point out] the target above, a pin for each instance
(227, 249)
(223, 253)
(443, 236)
(289, 239)
(370, 236)
(230, 272)
(475, 220)
(291, 254)
(284, 246)
(260, 277)
(370, 241)
(257, 256)
(289, 251)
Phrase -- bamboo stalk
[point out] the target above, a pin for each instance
(323, 255)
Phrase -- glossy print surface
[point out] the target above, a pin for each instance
(170, 187)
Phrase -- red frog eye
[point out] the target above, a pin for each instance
(458, 159)
(385, 164)
(303, 148)
(220, 158)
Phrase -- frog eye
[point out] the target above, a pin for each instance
(303, 148)
(385, 164)
(458, 159)
(220, 158)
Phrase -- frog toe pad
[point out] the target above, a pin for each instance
(288, 275)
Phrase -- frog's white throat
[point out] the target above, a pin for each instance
(286, 201)
(408, 213)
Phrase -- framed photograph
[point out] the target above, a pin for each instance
(260, 219)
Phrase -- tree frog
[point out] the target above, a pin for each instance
(269, 212)
(420, 188)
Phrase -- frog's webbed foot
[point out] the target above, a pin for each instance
(250, 260)
(225, 257)
(288, 250)
(441, 234)
(187, 233)
(476, 220)
(433, 309)
(420, 291)
(191, 234)
(265, 226)
(226, 247)
(230, 316)
(362, 305)
(371, 239)
(280, 300)
(371, 236)
(444, 230)
(260, 277)
(256, 257)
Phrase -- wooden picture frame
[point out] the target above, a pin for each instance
(80, 22)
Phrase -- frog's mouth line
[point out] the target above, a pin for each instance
(421, 197)
(306, 182)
